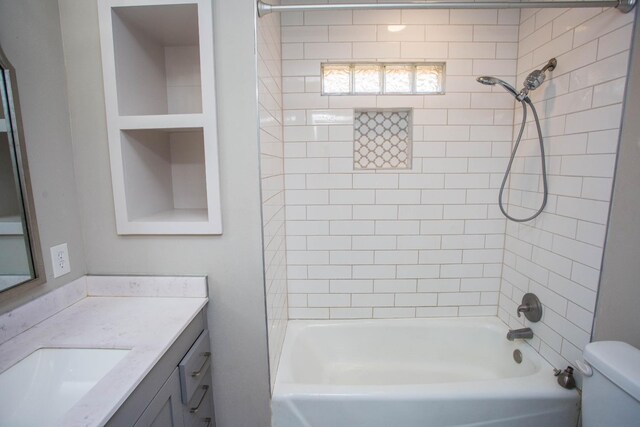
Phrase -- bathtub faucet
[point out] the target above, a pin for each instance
(524, 333)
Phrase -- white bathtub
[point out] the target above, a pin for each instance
(414, 372)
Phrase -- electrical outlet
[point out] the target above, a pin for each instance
(60, 260)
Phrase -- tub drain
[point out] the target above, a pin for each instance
(517, 356)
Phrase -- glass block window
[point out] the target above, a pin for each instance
(336, 79)
(398, 78)
(382, 78)
(382, 139)
(429, 79)
(367, 78)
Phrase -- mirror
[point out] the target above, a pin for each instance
(20, 259)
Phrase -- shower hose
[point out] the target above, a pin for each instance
(524, 102)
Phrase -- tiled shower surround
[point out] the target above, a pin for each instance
(558, 256)
(430, 240)
(425, 241)
(272, 177)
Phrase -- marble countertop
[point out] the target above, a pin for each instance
(145, 325)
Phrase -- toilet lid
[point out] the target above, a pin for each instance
(618, 361)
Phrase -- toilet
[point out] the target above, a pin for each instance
(611, 395)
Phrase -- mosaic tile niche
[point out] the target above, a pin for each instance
(382, 139)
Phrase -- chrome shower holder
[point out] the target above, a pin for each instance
(536, 78)
(625, 6)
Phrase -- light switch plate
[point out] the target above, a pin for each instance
(60, 260)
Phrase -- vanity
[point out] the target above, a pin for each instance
(109, 350)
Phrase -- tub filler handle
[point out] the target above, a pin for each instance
(531, 307)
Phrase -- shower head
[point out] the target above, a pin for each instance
(487, 80)
(536, 78)
(492, 81)
(533, 81)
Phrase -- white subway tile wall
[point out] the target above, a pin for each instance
(558, 256)
(425, 241)
(430, 241)
(272, 177)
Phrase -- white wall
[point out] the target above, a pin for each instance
(233, 261)
(558, 255)
(30, 37)
(272, 176)
(401, 243)
(617, 314)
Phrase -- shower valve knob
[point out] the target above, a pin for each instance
(531, 307)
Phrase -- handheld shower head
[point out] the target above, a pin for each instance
(533, 81)
(492, 81)
(487, 80)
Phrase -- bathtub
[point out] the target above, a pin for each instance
(414, 372)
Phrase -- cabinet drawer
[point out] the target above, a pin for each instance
(199, 411)
(194, 367)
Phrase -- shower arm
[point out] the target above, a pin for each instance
(623, 6)
(551, 65)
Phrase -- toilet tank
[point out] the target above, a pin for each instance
(611, 396)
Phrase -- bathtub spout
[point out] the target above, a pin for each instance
(524, 333)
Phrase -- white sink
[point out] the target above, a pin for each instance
(43, 386)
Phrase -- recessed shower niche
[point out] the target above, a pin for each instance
(157, 58)
(382, 139)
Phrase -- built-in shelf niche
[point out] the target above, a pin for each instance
(159, 85)
(165, 177)
(157, 58)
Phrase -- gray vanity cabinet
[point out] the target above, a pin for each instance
(165, 410)
(195, 384)
(199, 411)
(177, 392)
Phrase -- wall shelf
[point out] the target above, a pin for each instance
(157, 58)
(162, 121)
(160, 98)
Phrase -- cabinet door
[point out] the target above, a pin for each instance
(165, 410)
